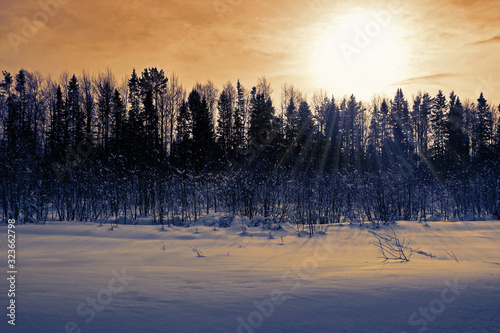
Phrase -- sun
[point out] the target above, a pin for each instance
(359, 53)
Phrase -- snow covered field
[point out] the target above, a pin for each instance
(82, 277)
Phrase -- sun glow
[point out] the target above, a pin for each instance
(360, 53)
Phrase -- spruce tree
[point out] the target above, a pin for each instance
(239, 119)
(184, 123)
(88, 101)
(182, 149)
(331, 152)
(135, 125)
(105, 89)
(422, 105)
(154, 83)
(120, 125)
(375, 135)
(439, 125)
(292, 122)
(225, 122)
(484, 128)
(76, 121)
(57, 128)
(457, 142)
(203, 131)
(306, 139)
(402, 131)
(261, 117)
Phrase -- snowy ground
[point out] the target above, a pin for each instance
(67, 280)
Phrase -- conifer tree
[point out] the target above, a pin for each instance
(402, 131)
(422, 105)
(120, 125)
(182, 149)
(457, 142)
(76, 121)
(439, 125)
(484, 128)
(239, 119)
(225, 122)
(203, 131)
(292, 122)
(375, 135)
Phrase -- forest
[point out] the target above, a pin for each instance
(91, 148)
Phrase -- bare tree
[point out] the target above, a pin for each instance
(392, 248)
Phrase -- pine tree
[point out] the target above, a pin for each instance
(75, 116)
(261, 117)
(225, 122)
(203, 131)
(134, 98)
(470, 122)
(18, 127)
(88, 101)
(320, 103)
(457, 143)
(306, 136)
(439, 125)
(105, 88)
(391, 152)
(181, 155)
(150, 123)
(422, 105)
(5, 99)
(119, 132)
(135, 124)
(184, 123)
(484, 128)
(209, 93)
(13, 121)
(292, 122)
(239, 119)
(375, 135)
(262, 129)
(57, 128)
(35, 112)
(331, 152)
(352, 132)
(154, 83)
(175, 99)
(402, 130)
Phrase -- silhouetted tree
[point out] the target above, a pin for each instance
(439, 125)
(120, 124)
(75, 116)
(402, 130)
(458, 148)
(226, 105)
(292, 122)
(375, 137)
(484, 128)
(182, 149)
(239, 119)
(153, 86)
(422, 105)
(105, 88)
(203, 131)
(58, 127)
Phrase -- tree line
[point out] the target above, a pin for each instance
(147, 135)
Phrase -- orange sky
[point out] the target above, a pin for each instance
(344, 47)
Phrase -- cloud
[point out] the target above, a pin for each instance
(495, 39)
(427, 79)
